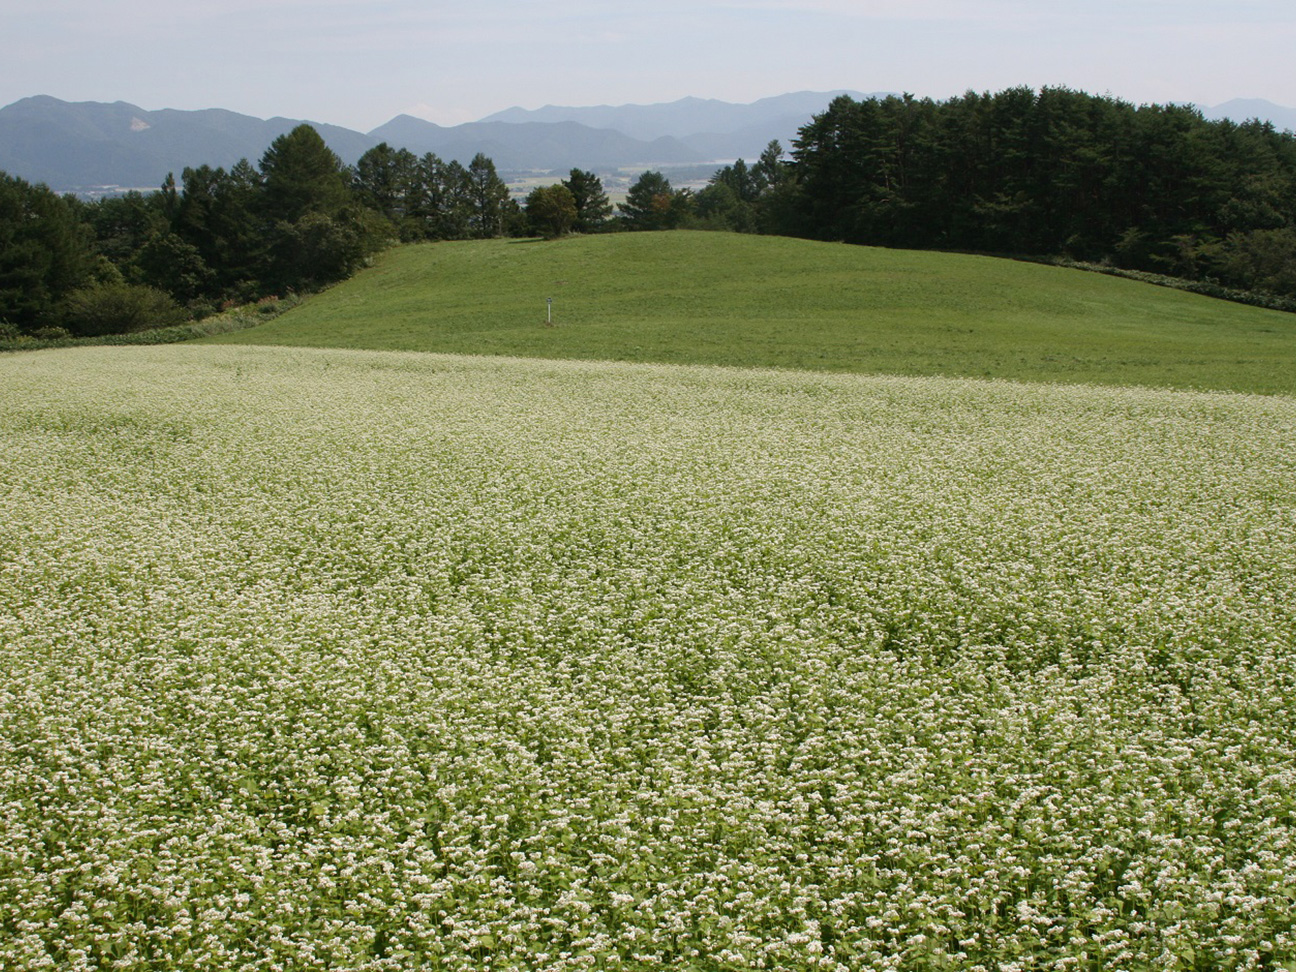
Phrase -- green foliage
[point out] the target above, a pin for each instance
(653, 204)
(592, 206)
(1052, 172)
(386, 180)
(169, 263)
(1262, 259)
(300, 174)
(738, 198)
(221, 214)
(233, 319)
(439, 210)
(44, 251)
(486, 198)
(118, 308)
(748, 301)
(551, 210)
(298, 221)
(319, 248)
(123, 225)
(719, 207)
(1210, 288)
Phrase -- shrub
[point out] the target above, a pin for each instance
(119, 308)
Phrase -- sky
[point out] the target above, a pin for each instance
(358, 64)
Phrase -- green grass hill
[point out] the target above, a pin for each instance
(749, 301)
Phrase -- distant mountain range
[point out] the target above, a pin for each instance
(712, 129)
(84, 146)
(1243, 109)
(72, 146)
(532, 145)
(78, 146)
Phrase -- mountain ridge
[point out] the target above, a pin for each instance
(76, 146)
(682, 118)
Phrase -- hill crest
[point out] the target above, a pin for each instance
(692, 297)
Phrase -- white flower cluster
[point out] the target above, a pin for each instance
(320, 659)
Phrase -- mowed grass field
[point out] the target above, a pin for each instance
(727, 299)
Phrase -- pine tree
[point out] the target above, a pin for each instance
(301, 174)
(592, 205)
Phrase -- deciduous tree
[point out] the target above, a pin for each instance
(551, 210)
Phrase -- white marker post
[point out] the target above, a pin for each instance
(548, 310)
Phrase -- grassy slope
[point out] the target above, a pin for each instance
(726, 299)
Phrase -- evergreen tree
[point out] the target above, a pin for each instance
(770, 171)
(300, 174)
(123, 225)
(652, 204)
(220, 214)
(487, 197)
(592, 206)
(1047, 172)
(387, 181)
(44, 251)
(435, 210)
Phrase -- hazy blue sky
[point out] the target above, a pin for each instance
(358, 64)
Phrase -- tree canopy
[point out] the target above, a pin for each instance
(44, 251)
(653, 204)
(592, 206)
(551, 210)
(300, 174)
(1051, 172)
(297, 220)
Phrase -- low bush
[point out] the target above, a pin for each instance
(119, 308)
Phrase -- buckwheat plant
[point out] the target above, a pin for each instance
(346, 660)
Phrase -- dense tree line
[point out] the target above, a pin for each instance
(740, 198)
(297, 220)
(1053, 172)
(1050, 173)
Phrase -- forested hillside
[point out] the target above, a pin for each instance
(296, 221)
(1054, 172)
(1048, 174)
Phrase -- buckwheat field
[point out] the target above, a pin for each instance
(324, 659)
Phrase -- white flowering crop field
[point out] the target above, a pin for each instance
(326, 659)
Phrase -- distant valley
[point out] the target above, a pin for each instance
(95, 148)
